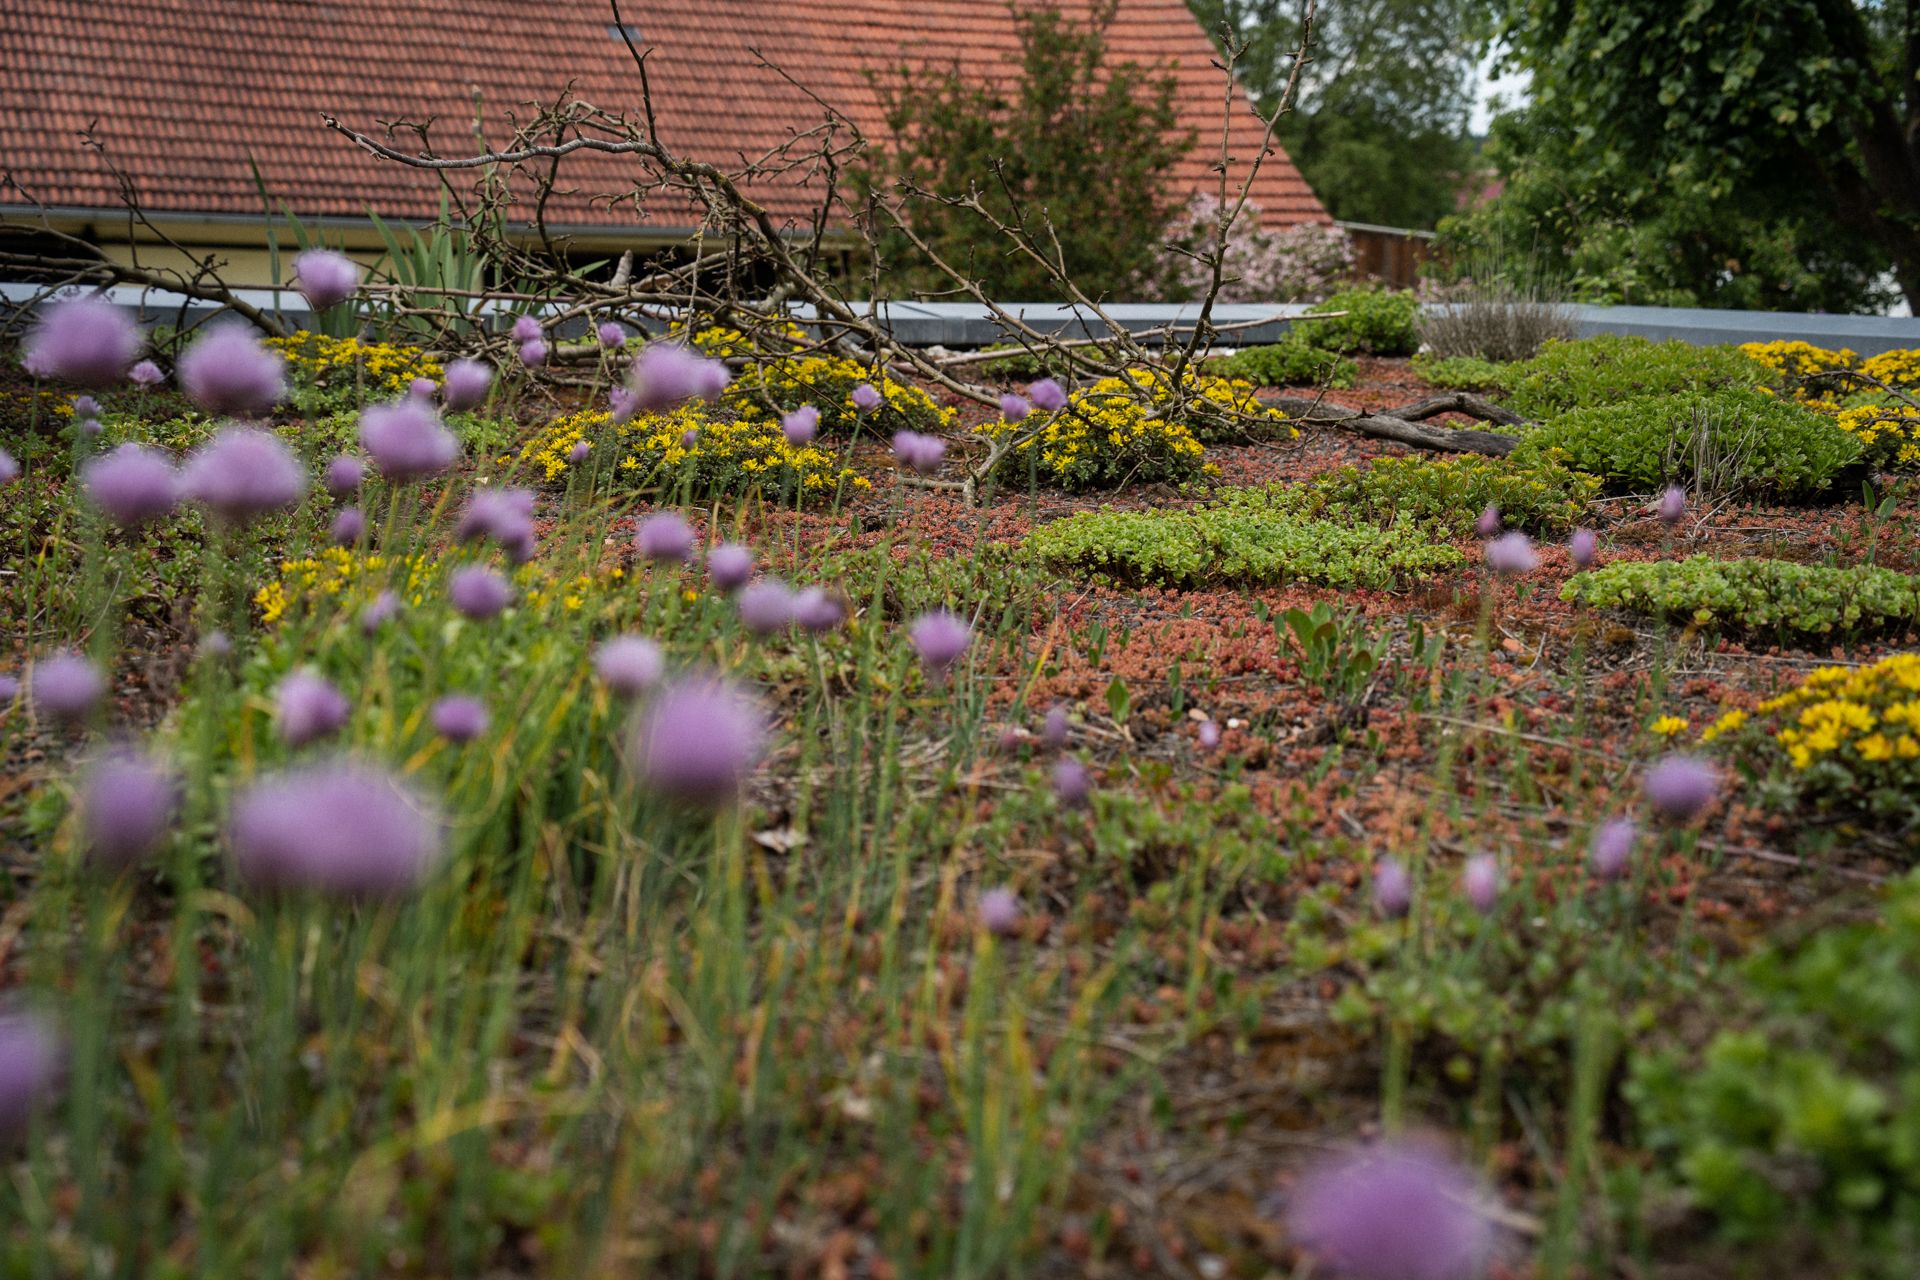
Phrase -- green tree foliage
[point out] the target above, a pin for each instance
(1725, 152)
(1076, 141)
(1380, 126)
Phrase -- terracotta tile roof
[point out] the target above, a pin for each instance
(184, 93)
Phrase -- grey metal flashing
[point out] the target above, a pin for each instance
(963, 325)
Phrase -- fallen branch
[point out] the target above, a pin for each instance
(1401, 427)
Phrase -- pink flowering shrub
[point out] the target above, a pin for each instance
(1301, 264)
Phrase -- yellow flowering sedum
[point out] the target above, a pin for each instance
(725, 455)
(1796, 360)
(1105, 437)
(1898, 369)
(1887, 427)
(343, 577)
(1847, 738)
(1890, 433)
(338, 579)
(385, 369)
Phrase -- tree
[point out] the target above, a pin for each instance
(1075, 141)
(1380, 128)
(1798, 113)
(1593, 229)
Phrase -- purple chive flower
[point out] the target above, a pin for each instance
(1046, 394)
(1053, 729)
(533, 354)
(67, 687)
(406, 440)
(86, 341)
(479, 592)
(1000, 913)
(690, 437)
(146, 374)
(1481, 880)
(216, 645)
(1013, 408)
(940, 638)
(1673, 505)
(815, 610)
(578, 454)
(866, 399)
(1582, 547)
(307, 709)
(611, 334)
(243, 473)
(918, 452)
(9, 688)
(133, 484)
(504, 515)
(698, 741)
(9, 468)
(1397, 1212)
(86, 407)
(227, 372)
(526, 329)
(1512, 554)
(32, 1061)
(664, 537)
(1072, 784)
(666, 374)
(344, 475)
(1488, 525)
(384, 606)
(765, 607)
(126, 808)
(340, 828)
(1209, 735)
(1392, 888)
(465, 384)
(1680, 786)
(90, 428)
(801, 425)
(422, 388)
(729, 566)
(326, 278)
(621, 404)
(629, 665)
(348, 526)
(1612, 847)
(459, 719)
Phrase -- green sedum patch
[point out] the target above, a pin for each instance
(1238, 544)
(1538, 495)
(1601, 370)
(1292, 363)
(1803, 1123)
(1462, 373)
(1732, 441)
(1377, 322)
(1767, 597)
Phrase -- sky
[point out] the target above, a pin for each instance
(1490, 90)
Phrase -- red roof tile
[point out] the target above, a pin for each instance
(185, 93)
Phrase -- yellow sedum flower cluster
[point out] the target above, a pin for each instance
(1891, 433)
(1106, 436)
(1796, 360)
(331, 363)
(724, 454)
(341, 579)
(774, 384)
(340, 576)
(1898, 369)
(1868, 714)
(1887, 427)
